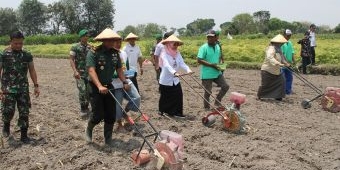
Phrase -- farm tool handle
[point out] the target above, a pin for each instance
(136, 128)
(201, 95)
(304, 80)
(145, 117)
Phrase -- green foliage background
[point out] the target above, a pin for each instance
(246, 52)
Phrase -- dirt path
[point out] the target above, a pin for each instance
(280, 135)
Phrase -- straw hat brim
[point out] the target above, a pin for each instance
(279, 39)
(131, 36)
(107, 34)
(173, 38)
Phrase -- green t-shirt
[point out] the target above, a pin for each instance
(14, 70)
(288, 51)
(105, 61)
(212, 55)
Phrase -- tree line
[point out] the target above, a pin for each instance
(61, 17)
(69, 16)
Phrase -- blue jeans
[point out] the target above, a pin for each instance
(289, 80)
(132, 97)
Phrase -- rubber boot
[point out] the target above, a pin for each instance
(108, 129)
(5, 130)
(24, 138)
(88, 131)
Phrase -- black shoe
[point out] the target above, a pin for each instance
(24, 138)
(278, 99)
(5, 130)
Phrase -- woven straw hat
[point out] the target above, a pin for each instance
(172, 38)
(279, 39)
(131, 36)
(107, 34)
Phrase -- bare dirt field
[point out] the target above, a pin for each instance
(280, 135)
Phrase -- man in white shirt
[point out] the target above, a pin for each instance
(312, 39)
(134, 57)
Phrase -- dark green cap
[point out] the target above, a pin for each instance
(82, 33)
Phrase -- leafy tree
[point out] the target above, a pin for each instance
(56, 18)
(8, 21)
(72, 18)
(244, 23)
(261, 19)
(324, 29)
(140, 29)
(129, 29)
(181, 31)
(98, 14)
(32, 16)
(337, 29)
(151, 29)
(200, 26)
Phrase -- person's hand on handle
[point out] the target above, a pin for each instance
(127, 87)
(103, 90)
(177, 74)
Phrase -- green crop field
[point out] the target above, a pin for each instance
(240, 49)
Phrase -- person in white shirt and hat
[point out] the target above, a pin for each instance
(134, 57)
(171, 61)
(272, 80)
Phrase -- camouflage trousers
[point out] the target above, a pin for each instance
(23, 102)
(83, 85)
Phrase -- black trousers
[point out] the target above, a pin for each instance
(103, 106)
(313, 55)
(134, 81)
(305, 62)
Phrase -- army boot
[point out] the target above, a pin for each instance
(5, 130)
(108, 129)
(88, 131)
(24, 138)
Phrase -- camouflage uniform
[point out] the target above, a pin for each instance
(79, 52)
(14, 85)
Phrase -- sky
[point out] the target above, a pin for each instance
(178, 13)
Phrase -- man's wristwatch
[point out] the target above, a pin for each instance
(36, 85)
(125, 82)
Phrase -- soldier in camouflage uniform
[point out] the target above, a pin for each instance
(78, 63)
(14, 65)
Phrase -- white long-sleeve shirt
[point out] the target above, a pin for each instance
(170, 65)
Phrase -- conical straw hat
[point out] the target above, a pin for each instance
(172, 38)
(131, 36)
(107, 34)
(279, 39)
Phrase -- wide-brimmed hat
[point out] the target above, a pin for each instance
(172, 38)
(107, 34)
(131, 36)
(278, 39)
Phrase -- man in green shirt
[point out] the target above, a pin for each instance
(78, 54)
(208, 57)
(288, 51)
(102, 63)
